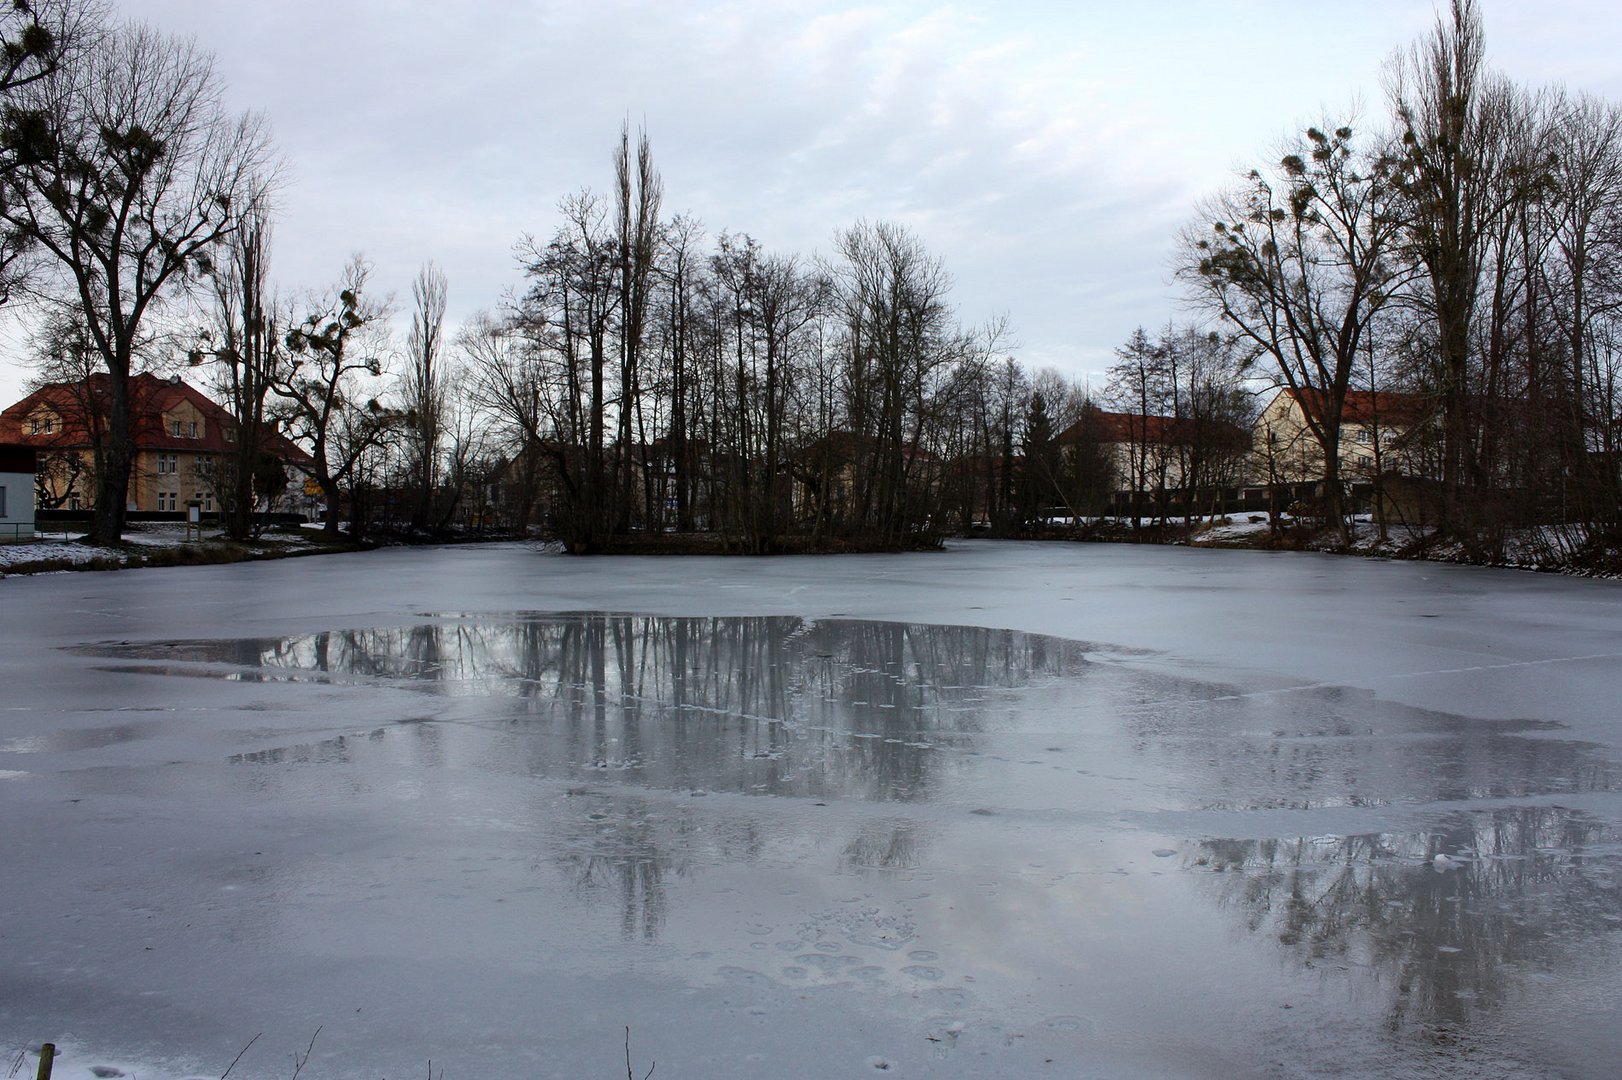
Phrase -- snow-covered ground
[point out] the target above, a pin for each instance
(1008, 810)
(61, 548)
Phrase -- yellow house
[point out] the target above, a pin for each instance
(1375, 435)
(182, 440)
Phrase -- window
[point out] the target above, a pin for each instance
(42, 425)
(174, 428)
(193, 434)
(208, 501)
(74, 503)
(168, 463)
(168, 500)
(2, 502)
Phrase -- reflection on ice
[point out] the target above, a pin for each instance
(772, 706)
(1328, 746)
(1448, 918)
(625, 849)
(620, 769)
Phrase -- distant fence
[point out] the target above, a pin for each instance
(1236, 499)
(58, 519)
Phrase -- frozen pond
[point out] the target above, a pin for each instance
(1008, 810)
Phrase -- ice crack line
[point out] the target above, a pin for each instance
(1505, 666)
(1302, 687)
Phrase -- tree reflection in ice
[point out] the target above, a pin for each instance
(768, 705)
(618, 705)
(629, 719)
(1313, 747)
(1449, 919)
(627, 847)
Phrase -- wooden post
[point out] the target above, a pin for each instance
(47, 1054)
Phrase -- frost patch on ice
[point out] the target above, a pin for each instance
(1068, 1024)
(869, 927)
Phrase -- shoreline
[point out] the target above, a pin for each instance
(160, 547)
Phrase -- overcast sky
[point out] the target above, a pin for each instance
(1047, 152)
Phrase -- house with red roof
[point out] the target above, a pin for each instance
(1376, 434)
(183, 439)
(1151, 452)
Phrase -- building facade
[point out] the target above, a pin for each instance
(1376, 432)
(184, 442)
(17, 465)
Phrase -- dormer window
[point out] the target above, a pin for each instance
(193, 434)
(174, 428)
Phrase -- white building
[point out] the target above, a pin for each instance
(16, 493)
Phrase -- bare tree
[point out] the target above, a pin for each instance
(1584, 277)
(899, 341)
(1212, 414)
(509, 384)
(37, 39)
(1451, 166)
(681, 240)
(245, 347)
(467, 443)
(1297, 262)
(1141, 385)
(127, 174)
(424, 387)
(567, 314)
(638, 192)
(322, 389)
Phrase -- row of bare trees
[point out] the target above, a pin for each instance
(1182, 417)
(1466, 253)
(646, 379)
(386, 441)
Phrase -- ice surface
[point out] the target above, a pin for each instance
(1006, 810)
